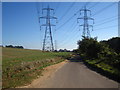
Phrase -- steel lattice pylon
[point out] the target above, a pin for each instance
(85, 25)
(48, 39)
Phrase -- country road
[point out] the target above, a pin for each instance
(76, 75)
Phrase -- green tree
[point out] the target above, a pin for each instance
(114, 43)
(89, 47)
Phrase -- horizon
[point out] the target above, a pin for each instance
(40, 49)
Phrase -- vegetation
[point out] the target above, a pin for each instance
(114, 43)
(103, 55)
(11, 46)
(20, 66)
(64, 50)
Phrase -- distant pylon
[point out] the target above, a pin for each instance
(86, 26)
(48, 39)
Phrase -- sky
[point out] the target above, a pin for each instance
(0, 23)
(20, 24)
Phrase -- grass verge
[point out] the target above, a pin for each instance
(104, 69)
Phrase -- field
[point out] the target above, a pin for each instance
(21, 66)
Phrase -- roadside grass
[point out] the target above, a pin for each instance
(21, 66)
(104, 69)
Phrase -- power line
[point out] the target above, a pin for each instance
(92, 15)
(76, 36)
(108, 18)
(38, 12)
(104, 8)
(106, 27)
(72, 26)
(57, 7)
(38, 15)
(67, 39)
(68, 35)
(70, 7)
(108, 21)
(86, 4)
(67, 21)
(94, 5)
(69, 18)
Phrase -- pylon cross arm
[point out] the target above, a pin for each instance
(51, 17)
(47, 9)
(44, 17)
(90, 18)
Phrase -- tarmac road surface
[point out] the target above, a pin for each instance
(77, 75)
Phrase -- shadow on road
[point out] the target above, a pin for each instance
(75, 58)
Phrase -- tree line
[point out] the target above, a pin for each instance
(11, 46)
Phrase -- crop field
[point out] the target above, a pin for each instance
(21, 66)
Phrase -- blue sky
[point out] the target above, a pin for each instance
(21, 27)
(0, 23)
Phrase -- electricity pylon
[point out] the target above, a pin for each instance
(48, 39)
(86, 26)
